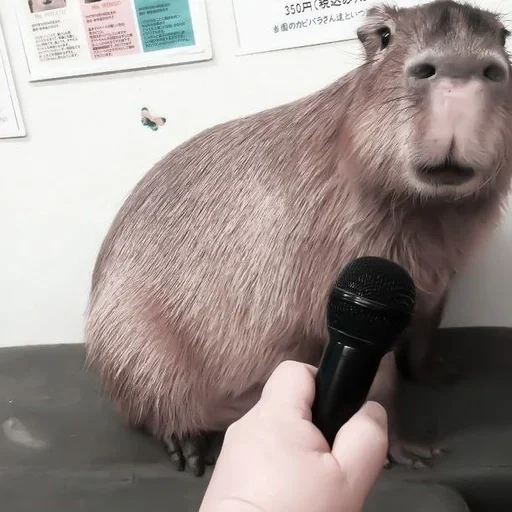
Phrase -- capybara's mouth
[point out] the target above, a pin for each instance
(447, 173)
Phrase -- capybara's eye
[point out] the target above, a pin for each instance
(385, 37)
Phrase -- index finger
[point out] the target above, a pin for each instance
(290, 389)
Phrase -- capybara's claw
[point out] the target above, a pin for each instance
(412, 455)
(193, 452)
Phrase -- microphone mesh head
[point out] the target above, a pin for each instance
(372, 299)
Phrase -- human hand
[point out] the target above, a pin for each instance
(275, 460)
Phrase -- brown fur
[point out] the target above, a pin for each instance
(219, 264)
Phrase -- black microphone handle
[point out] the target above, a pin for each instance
(344, 378)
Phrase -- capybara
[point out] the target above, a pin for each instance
(220, 262)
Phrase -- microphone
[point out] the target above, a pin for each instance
(370, 305)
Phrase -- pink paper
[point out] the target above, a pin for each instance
(110, 28)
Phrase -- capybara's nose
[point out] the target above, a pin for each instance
(490, 69)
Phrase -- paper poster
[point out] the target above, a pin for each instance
(11, 121)
(64, 38)
(266, 25)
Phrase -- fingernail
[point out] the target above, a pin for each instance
(375, 411)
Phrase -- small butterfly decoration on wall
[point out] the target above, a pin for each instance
(152, 122)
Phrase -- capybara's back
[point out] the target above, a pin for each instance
(219, 265)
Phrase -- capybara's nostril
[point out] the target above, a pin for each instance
(421, 71)
(495, 72)
(466, 67)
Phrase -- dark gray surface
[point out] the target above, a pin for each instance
(75, 454)
(414, 497)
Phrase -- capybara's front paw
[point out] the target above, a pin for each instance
(411, 455)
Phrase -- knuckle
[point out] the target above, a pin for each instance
(292, 367)
(288, 364)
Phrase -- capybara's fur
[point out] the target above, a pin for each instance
(219, 264)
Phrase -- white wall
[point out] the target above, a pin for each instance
(61, 187)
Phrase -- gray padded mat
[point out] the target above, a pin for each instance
(62, 448)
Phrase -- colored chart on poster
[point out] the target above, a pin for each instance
(65, 38)
(164, 24)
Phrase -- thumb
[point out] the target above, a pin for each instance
(360, 448)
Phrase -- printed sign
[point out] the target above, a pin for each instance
(11, 121)
(64, 38)
(266, 25)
